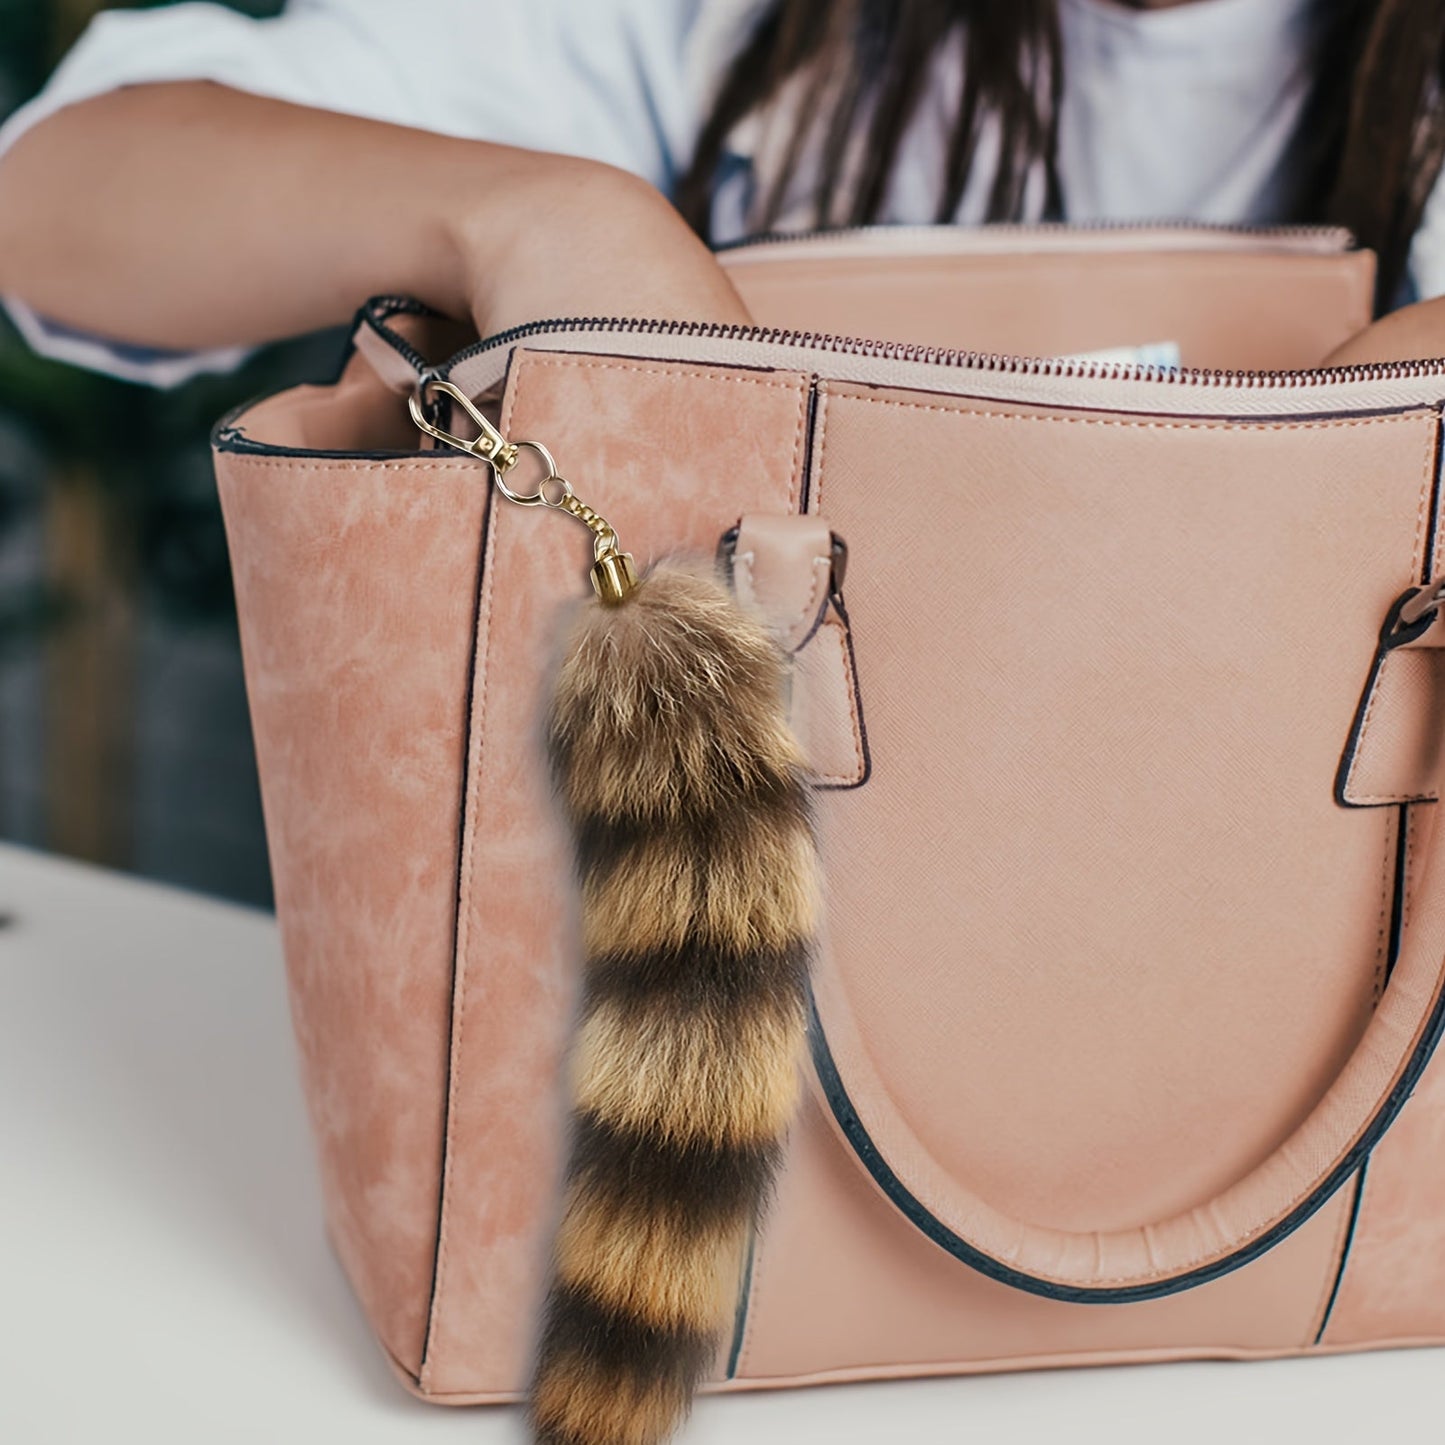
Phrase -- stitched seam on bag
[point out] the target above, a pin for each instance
(458, 929)
(1417, 562)
(821, 569)
(790, 381)
(860, 757)
(763, 1258)
(1226, 426)
(1372, 800)
(836, 630)
(476, 728)
(1367, 799)
(820, 473)
(693, 373)
(1349, 1220)
(1408, 891)
(340, 464)
(1365, 724)
(804, 385)
(1382, 931)
(969, 1367)
(822, 577)
(820, 426)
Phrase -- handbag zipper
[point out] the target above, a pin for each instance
(1085, 236)
(1325, 240)
(1321, 240)
(1052, 368)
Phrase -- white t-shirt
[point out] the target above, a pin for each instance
(1179, 113)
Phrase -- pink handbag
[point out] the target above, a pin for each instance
(1125, 714)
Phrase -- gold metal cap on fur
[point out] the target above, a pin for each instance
(674, 761)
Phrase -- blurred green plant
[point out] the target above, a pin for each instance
(34, 34)
(131, 439)
(117, 479)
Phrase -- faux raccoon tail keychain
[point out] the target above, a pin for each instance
(672, 755)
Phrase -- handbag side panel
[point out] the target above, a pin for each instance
(356, 584)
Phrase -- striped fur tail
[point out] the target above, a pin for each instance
(674, 761)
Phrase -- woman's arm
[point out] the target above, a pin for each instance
(1413, 333)
(189, 216)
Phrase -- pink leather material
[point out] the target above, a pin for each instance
(827, 706)
(1394, 1280)
(1396, 757)
(1250, 311)
(355, 585)
(1127, 1152)
(1101, 934)
(670, 455)
(358, 414)
(842, 1282)
(844, 1288)
(1395, 748)
(783, 565)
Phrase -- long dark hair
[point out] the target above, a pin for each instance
(1370, 143)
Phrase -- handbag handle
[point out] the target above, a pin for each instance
(1253, 1214)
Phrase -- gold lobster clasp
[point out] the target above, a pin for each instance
(614, 575)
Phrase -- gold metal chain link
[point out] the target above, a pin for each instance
(614, 574)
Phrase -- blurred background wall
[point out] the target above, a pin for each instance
(123, 731)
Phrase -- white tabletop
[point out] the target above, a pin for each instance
(164, 1277)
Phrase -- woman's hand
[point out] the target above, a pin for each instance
(582, 239)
